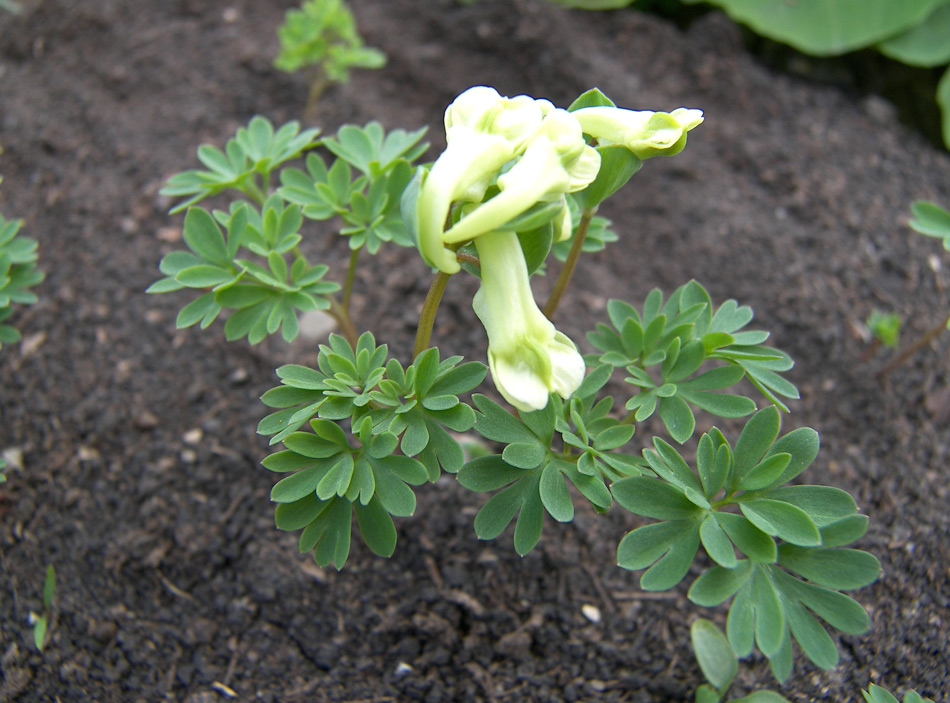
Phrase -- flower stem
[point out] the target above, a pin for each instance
(930, 335)
(350, 278)
(429, 308)
(564, 278)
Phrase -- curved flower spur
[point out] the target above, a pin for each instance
(532, 153)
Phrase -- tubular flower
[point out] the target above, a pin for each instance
(643, 132)
(529, 359)
(556, 160)
(483, 131)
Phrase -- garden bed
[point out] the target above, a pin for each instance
(136, 469)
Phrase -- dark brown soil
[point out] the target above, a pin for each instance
(140, 478)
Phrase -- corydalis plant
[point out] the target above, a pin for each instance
(18, 274)
(519, 179)
(322, 38)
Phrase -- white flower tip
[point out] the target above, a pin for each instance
(567, 365)
(518, 383)
(687, 117)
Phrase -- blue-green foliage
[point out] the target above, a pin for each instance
(17, 274)
(384, 407)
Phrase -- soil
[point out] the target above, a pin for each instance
(135, 465)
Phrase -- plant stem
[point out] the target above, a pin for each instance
(429, 308)
(564, 278)
(350, 278)
(342, 318)
(255, 192)
(928, 337)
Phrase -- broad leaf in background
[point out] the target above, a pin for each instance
(828, 27)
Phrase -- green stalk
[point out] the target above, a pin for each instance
(350, 278)
(930, 335)
(342, 318)
(429, 308)
(567, 271)
(254, 191)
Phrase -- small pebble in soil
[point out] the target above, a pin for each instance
(591, 612)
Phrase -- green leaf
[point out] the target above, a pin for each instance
(716, 543)
(39, 632)
(337, 479)
(493, 517)
(841, 569)
(719, 584)
(931, 219)
(740, 624)
(531, 518)
(298, 485)
(829, 27)
(495, 423)
(652, 498)
(591, 98)
(764, 473)
(837, 609)
(813, 639)
(943, 100)
(769, 615)
(524, 455)
(678, 418)
(756, 438)
(844, 531)
(713, 653)
(924, 44)
(613, 437)
(200, 309)
(488, 473)
(299, 514)
(748, 538)
(803, 445)
(672, 567)
(203, 236)
(49, 587)
(668, 464)
(617, 166)
(393, 494)
(823, 504)
(671, 545)
(377, 527)
(762, 697)
(782, 520)
(554, 493)
(332, 538)
(707, 694)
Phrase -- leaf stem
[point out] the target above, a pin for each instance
(567, 271)
(928, 337)
(350, 278)
(429, 308)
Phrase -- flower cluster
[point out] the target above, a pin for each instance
(524, 151)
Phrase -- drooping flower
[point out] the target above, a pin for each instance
(643, 132)
(556, 161)
(528, 358)
(483, 132)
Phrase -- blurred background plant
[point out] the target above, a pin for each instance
(41, 622)
(321, 38)
(933, 221)
(884, 328)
